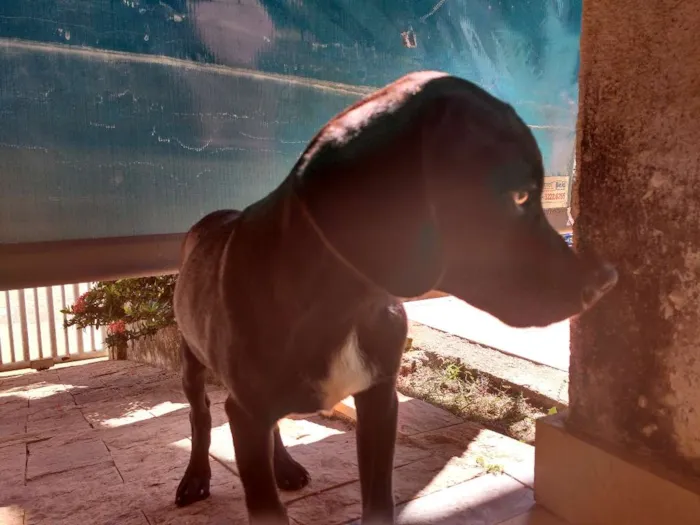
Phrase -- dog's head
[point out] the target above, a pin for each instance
(432, 183)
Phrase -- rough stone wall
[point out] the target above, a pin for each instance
(635, 365)
(162, 350)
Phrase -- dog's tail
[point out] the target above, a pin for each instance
(207, 225)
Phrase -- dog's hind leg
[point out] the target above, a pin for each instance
(195, 483)
(377, 413)
(289, 474)
(253, 442)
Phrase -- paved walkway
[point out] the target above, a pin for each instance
(106, 442)
(548, 346)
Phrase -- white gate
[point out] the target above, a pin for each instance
(32, 332)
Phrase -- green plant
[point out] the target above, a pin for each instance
(129, 308)
(453, 371)
(490, 468)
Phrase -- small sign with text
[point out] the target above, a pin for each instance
(555, 192)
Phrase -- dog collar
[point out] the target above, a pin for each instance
(329, 245)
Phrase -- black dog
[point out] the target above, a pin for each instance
(430, 183)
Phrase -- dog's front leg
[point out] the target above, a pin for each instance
(253, 443)
(377, 413)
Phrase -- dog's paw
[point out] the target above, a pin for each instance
(291, 475)
(193, 487)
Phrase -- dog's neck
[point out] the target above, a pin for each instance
(301, 271)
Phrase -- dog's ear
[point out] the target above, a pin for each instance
(368, 198)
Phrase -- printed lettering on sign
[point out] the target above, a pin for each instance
(555, 192)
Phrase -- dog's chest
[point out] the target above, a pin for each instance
(349, 372)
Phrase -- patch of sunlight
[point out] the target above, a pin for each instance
(496, 447)
(141, 414)
(184, 444)
(457, 469)
(127, 419)
(166, 408)
(39, 391)
(12, 515)
(303, 432)
(82, 362)
(294, 432)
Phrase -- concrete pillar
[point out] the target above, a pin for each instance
(635, 358)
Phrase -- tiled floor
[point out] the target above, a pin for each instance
(548, 346)
(106, 443)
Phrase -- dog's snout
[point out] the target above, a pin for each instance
(601, 282)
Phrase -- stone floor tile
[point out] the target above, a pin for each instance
(168, 406)
(16, 379)
(327, 451)
(431, 475)
(46, 387)
(151, 464)
(116, 413)
(56, 401)
(311, 429)
(91, 478)
(11, 515)
(331, 459)
(487, 500)
(158, 431)
(331, 462)
(94, 372)
(57, 420)
(221, 448)
(225, 505)
(10, 403)
(139, 383)
(476, 444)
(50, 460)
(125, 470)
(343, 503)
(12, 406)
(13, 460)
(408, 451)
(13, 423)
(450, 441)
(333, 507)
(294, 432)
(416, 416)
(112, 506)
(96, 395)
(535, 516)
(163, 466)
(522, 469)
(58, 437)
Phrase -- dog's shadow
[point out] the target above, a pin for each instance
(429, 463)
(438, 478)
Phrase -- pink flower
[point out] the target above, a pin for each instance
(80, 304)
(117, 327)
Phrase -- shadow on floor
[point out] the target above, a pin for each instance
(107, 442)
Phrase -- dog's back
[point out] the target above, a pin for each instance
(201, 254)
(215, 221)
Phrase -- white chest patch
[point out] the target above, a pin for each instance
(348, 373)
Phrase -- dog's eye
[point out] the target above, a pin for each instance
(520, 197)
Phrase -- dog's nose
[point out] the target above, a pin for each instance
(601, 282)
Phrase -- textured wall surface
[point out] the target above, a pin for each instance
(635, 372)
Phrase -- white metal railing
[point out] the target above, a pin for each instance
(31, 327)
